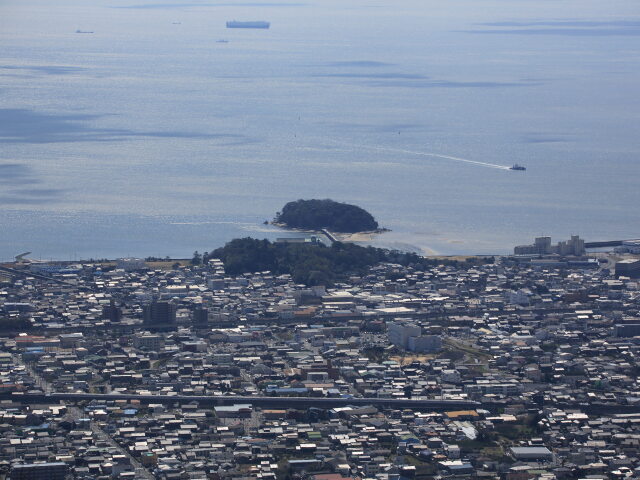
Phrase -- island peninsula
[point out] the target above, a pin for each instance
(326, 214)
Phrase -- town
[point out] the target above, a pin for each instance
(524, 367)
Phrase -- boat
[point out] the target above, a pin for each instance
(236, 24)
(83, 31)
(517, 167)
(222, 41)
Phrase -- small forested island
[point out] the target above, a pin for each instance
(315, 264)
(334, 216)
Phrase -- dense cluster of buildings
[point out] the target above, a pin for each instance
(628, 246)
(544, 358)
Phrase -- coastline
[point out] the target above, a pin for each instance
(357, 236)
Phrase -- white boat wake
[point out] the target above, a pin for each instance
(425, 154)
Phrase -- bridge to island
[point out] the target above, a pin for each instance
(330, 236)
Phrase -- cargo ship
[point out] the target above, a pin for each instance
(236, 24)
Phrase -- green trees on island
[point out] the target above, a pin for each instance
(310, 264)
(334, 216)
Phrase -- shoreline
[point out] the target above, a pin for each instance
(168, 263)
(365, 236)
(187, 261)
(163, 262)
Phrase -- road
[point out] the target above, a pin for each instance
(430, 405)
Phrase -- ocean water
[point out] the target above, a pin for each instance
(149, 136)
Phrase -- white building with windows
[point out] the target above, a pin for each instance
(408, 336)
(130, 264)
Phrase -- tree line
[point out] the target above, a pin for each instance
(313, 264)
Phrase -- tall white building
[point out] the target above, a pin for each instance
(520, 297)
(408, 336)
(400, 332)
(130, 264)
(542, 246)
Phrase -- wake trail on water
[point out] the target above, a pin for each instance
(425, 154)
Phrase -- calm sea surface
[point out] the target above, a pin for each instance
(163, 132)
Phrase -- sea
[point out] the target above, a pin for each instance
(147, 128)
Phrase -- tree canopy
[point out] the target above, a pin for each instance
(12, 324)
(311, 264)
(334, 216)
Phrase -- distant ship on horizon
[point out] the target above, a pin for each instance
(237, 24)
(83, 31)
